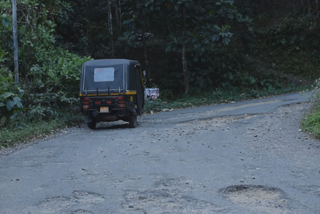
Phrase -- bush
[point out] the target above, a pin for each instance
(49, 75)
(10, 94)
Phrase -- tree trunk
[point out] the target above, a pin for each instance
(185, 70)
(184, 57)
(110, 27)
(293, 7)
(117, 9)
(120, 26)
(145, 51)
(317, 5)
(262, 5)
(116, 13)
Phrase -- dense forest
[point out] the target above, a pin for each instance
(184, 46)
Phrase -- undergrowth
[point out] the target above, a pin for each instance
(213, 97)
(311, 123)
(12, 136)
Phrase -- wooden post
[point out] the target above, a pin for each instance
(15, 41)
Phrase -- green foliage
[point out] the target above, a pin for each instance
(61, 74)
(10, 94)
(210, 26)
(311, 123)
(291, 42)
(49, 75)
(315, 92)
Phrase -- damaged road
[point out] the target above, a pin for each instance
(246, 157)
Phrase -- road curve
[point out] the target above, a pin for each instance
(244, 157)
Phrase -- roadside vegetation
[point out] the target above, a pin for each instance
(14, 135)
(311, 122)
(163, 104)
(196, 52)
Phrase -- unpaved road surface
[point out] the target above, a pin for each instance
(246, 157)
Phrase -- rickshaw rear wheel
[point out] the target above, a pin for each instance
(133, 120)
(92, 124)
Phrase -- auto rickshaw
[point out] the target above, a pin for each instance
(111, 90)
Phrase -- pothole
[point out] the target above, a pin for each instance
(79, 201)
(170, 196)
(256, 197)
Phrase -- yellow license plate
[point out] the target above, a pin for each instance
(104, 109)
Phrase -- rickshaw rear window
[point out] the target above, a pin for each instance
(104, 74)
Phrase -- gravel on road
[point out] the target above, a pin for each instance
(198, 161)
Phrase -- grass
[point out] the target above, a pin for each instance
(311, 123)
(13, 136)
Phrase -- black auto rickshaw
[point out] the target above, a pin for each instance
(111, 90)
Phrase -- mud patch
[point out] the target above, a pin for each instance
(164, 201)
(217, 121)
(169, 196)
(260, 199)
(78, 202)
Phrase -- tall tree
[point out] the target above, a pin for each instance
(110, 27)
(203, 23)
(142, 19)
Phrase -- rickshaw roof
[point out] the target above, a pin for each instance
(106, 62)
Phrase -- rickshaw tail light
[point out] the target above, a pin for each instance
(121, 101)
(87, 99)
(86, 106)
(120, 98)
(86, 103)
(109, 102)
(98, 102)
(121, 105)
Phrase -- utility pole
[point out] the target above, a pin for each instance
(15, 41)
